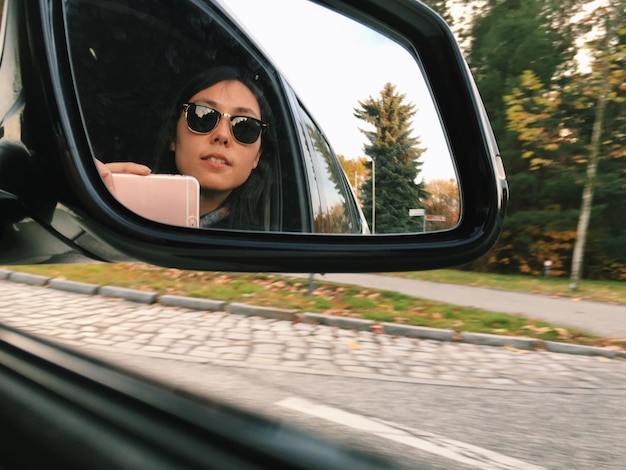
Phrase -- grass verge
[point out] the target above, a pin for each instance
(327, 298)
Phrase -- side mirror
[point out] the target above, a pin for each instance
(104, 82)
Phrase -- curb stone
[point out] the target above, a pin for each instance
(27, 278)
(486, 339)
(134, 295)
(565, 348)
(437, 334)
(422, 332)
(73, 286)
(339, 322)
(4, 274)
(192, 303)
(267, 312)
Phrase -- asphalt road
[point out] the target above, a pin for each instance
(423, 425)
(594, 317)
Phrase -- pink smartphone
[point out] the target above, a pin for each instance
(169, 199)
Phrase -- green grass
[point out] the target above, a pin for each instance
(335, 299)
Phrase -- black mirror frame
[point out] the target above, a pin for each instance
(482, 181)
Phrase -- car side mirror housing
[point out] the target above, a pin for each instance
(85, 83)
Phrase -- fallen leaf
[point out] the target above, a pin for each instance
(517, 350)
(536, 329)
(562, 332)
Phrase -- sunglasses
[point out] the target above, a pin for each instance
(202, 119)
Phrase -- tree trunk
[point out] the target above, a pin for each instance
(588, 190)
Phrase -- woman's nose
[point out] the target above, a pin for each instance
(221, 133)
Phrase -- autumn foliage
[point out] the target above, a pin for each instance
(524, 250)
(443, 200)
(555, 91)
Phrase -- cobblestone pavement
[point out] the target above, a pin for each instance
(102, 323)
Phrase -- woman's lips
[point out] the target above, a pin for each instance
(216, 159)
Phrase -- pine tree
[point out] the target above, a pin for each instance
(392, 184)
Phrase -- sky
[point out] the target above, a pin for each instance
(333, 63)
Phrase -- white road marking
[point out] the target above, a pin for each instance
(455, 450)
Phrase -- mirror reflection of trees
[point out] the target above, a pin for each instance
(357, 171)
(392, 189)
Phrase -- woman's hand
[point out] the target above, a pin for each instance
(107, 169)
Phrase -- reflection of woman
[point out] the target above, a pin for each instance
(219, 134)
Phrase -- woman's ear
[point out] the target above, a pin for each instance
(256, 160)
(172, 146)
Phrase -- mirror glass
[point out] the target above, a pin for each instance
(304, 122)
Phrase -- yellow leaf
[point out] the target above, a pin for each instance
(514, 349)
(562, 332)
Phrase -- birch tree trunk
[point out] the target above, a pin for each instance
(588, 190)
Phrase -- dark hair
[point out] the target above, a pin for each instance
(248, 204)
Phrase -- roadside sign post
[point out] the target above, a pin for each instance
(434, 218)
(546, 267)
(419, 213)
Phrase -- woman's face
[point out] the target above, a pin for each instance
(217, 160)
